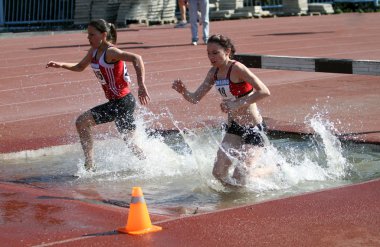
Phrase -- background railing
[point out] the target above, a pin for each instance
(36, 12)
(56, 14)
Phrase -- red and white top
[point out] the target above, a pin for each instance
(113, 77)
(229, 89)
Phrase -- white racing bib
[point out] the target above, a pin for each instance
(98, 74)
(223, 87)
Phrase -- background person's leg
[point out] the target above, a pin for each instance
(182, 8)
(204, 6)
(193, 15)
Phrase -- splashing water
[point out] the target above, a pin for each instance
(281, 167)
(178, 167)
(337, 165)
(277, 167)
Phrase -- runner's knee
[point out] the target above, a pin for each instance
(83, 121)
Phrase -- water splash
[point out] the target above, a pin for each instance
(115, 161)
(281, 167)
(178, 168)
(336, 165)
(278, 167)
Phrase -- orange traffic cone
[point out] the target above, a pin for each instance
(138, 218)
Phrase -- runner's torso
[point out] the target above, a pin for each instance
(113, 77)
(230, 90)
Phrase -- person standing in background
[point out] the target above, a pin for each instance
(182, 5)
(193, 14)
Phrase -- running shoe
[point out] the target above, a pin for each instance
(181, 24)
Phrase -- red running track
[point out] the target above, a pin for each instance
(38, 108)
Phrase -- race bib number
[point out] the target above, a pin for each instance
(223, 87)
(100, 77)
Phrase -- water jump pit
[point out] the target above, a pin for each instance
(177, 175)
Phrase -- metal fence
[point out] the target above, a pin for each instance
(36, 12)
(43, 13)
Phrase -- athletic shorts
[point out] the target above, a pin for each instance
(118, 110)
(252, 135)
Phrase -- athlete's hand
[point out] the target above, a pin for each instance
(143, 95)
(179, 86)
(227, 106)
(53, 64)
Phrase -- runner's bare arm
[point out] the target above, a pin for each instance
(77, 67)
(201, 91)
(114, 54)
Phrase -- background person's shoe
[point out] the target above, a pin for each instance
(181, 24)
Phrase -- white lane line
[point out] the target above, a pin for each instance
(64, 241)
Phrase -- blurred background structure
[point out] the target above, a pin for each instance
(31, 15)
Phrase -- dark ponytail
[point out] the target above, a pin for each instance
(224, 42)
(105, 27)
(112, 34)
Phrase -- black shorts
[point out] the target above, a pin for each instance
(252, 135)
(118, 110)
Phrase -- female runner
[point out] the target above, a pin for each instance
(240, 89)
(108, 64)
